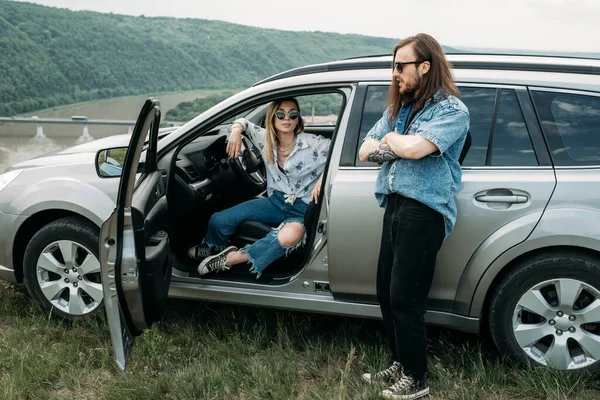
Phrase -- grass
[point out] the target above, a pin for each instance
(211, 351)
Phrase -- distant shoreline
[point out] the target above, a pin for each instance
(40, 112)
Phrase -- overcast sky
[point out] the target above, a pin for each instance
(563, 25)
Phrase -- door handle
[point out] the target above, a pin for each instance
(511, 199)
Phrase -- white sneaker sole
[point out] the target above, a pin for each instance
(388, 395)
(367, 378)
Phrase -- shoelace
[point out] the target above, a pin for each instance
(217, 264)
(290, 198)
(402, 385)
(388, 372)
(204, 252)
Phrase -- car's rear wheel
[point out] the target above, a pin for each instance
(62, 268)
(547, 310)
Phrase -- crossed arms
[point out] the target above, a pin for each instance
(394, 145)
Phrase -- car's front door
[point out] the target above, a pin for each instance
(134, 246)
(507, 183)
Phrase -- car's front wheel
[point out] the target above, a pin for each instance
(547, 310)
(62, 269)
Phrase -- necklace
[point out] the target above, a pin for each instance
(286, 152)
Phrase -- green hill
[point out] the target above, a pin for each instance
(51, 56)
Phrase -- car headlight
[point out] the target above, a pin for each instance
(8, 177)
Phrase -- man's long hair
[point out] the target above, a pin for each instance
(426, 48)
(271, 139)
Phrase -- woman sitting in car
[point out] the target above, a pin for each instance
(294, 163)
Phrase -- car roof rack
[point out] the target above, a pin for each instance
(499, 52)
(459, 60)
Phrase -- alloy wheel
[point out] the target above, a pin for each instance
(68, 275)
(557, 324)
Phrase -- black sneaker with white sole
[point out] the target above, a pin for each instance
(406, 389)
(388, 376)
(216, 263)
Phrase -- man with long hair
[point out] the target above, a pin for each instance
(418, 142)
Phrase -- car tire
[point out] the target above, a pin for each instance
(69, 286)
(546, 311)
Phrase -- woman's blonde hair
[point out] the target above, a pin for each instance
(271, 139)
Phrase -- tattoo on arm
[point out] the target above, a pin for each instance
(381, 154)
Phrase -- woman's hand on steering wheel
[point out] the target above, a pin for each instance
(234, 145)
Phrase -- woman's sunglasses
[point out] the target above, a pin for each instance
(292, 114)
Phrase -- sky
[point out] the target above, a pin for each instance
(548, 25)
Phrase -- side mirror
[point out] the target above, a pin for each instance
(109, 162)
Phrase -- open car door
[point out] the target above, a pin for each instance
(134, 245)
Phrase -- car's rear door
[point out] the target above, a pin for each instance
(134, 246)
(507, 182)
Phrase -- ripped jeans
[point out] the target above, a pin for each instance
(270, 210)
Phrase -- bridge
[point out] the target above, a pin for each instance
(76, 119)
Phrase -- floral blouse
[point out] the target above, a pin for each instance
(302, 168)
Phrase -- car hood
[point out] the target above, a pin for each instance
(80, 154)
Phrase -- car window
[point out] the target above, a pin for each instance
(571, 123)
(375, 103)
(511, 142)
(480, 102)
(320, 109)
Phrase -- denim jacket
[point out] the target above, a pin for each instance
(302, 168)
(435, 179)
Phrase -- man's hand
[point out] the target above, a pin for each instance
(234, 145)
(368, 146)
(376, 151)
(317, 190)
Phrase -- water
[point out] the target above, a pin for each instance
(18, 142)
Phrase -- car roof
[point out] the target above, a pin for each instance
(472, 61)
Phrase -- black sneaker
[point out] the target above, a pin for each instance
(200, 252)
(389, 375)
(405, 389)
(215, 263)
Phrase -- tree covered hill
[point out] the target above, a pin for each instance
(51, 56)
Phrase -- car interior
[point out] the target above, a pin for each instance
(206, 180)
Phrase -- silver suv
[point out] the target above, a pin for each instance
(523, 259)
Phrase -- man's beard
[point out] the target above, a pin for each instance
(408, 95)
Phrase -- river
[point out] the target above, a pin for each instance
(18, 142)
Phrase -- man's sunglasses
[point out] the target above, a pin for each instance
(398, 66)
(292, 114)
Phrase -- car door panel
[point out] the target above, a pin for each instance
(134, 246)
(353, 242)
(484, 230)
(153, 238)
(353, 268)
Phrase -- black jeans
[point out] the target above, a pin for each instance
(412, 236)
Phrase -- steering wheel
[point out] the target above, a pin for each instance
(250, 166)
